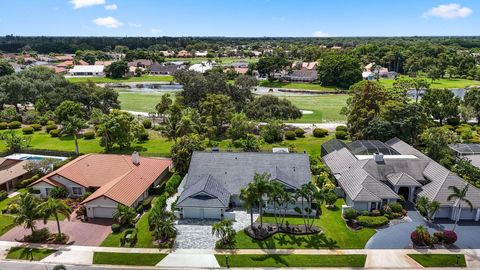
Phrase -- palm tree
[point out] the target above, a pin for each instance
(224, 230)
(124, 215)
(28, 211)
(72, 125)
(261, 186)
(162, 222)
(427, 207)
(275, 195)
(249, 200)
(460, 195)
(285, 201)
(55, 207)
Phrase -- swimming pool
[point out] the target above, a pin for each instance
(33, 157)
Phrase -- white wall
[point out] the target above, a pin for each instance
(68, 184)
(99, 202)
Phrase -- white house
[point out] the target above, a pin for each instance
(88, 70)
(202, 67)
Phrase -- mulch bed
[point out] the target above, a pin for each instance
(262, 233)
(353, 225)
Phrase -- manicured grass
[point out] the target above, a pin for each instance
(335, 234)
(111, 258)
(325, 108)
(22, 253)
(6, 223)
(7, 201)
(297, 85)
(145, 78)
(441, 83)
(139, 102)
(293, 260)
(439, 260)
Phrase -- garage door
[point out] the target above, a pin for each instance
(212, 213)
(103, 212)
(192, 212)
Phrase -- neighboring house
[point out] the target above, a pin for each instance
(372, 173)
(202, 67)
(65, 57)
(141, 63)
(163, 69)
(214, 180)
(103, 63)
(71, 63)
(201, 53)
(92, 70)
(113, 179)
(303, 75)
(184, 53)
(12, 171)
(469, 151)
(168, 53)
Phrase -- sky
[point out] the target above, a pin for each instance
(240, 18)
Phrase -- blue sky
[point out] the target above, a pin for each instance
(252, 18)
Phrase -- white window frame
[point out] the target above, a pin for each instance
(74, 193)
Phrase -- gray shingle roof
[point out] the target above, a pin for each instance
(360, 186)
(207, 192)
(404, 148)
(235, 170)
(339, 160)
(474, 160)
(402, 179)
(414, 167)
(466, 149)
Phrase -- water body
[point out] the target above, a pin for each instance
(146, 87)
(458, 92)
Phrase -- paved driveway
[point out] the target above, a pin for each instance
(82, 234)
(398, 236)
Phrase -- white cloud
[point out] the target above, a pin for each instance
(156, 31)
(448, 11)
(136, 25)
(86, 3)
(108, 22)
(321, 34)
(111, 7)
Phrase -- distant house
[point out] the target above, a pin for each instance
(113, 179)
(164, 69)
(184, 53)
(141, 63)
(12, 171)
(469, 151)
(91, 70)
(71, 63)
(214, 180)
(103, 63)
(371, 72)
(201, 53)
(202, 67)
(371, 174)
(168, 53)
(303, 72)
(64, 57)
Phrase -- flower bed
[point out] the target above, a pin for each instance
(261, 233)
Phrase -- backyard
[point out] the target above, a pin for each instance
(335, 234)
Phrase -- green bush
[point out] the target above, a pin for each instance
(49, 128)
(27, 130)
(50, 122)
(59, 192)
(38, 236)
(54, 132)
(147, 123)
(341, 128)
(320, 132)
(375, 213)
(14, 125)
(89, 135)
(364, 213)
(143, 136)
(3, 195)
(300, 133)
(341, 135)
(290, 135)
(3, 125)
(26, 182)
(172, 184)
(372, 222)
(396, 207)
(36, 127)
(147, 203)
(116, 228)
(350, 214)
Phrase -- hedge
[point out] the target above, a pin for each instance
(26, 182)
(36, 127)
(3, 125)
(27, 130)
(341, 135)
(147, 123)
(372, 222)
(300, 133)
(54, 132)
(172, 184)
(14, 125)
(50, 127)
(341, 128)
(290, 135)
(320, 132)
(89, 135)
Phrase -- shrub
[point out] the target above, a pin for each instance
(54, 132)
(50, 122)
(26, 182)
(341, 128)
(397, 215)
(27, 130)
(290, 135)
(453, 121)
(3, 195)
(364, 213)
(116, 228)
(375, 213)
(272, 132)
(14, 125)
(49, 128)
(449, 237)
(320, 132)
(449, 127)
(39, 236)
(396, 207)
(58, 192)
(350, 214)
(300, 133)
(341, 135)
(372, 222)
(147, 123)
(172, 184)
(3, 125)
(143, 136)
(12, 208)
(36, 127)
(89, 135)
(147, 203)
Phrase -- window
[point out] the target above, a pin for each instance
(76, 191)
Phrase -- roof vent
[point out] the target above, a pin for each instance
(136, 158)
(378, 157)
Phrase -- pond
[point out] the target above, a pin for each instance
(458, 92)
(145, 87)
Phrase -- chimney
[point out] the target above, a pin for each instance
(378, 157)
(135, 158)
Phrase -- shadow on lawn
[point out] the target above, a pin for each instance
(282, 240)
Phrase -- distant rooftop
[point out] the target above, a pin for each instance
(466, 149)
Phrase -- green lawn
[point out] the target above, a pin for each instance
(21, 253)
(441, 83)
(335, 234)
(297, 85)
(293, 260)
(144, 259)
(325, 108)
(6, 223)
(4, 203)
(146, 78)
(439, 260)
(139, 102)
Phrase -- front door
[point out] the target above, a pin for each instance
(405, 192)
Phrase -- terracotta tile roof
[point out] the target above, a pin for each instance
(11, 169)
(115, 176)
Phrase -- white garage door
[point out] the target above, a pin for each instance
(192, 212)
(212, 213)
(103, 212)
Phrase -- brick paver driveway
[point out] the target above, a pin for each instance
(81, 233)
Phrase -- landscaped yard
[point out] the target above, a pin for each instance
(335, 234)
(22, 253)
(297, 85)
(138, 101)
(6, 223)
(144, 259)
(439, 260)
(166, 78)
(325, 108)
(293, 260)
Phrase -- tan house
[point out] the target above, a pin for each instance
(11, 172)
(184, 53)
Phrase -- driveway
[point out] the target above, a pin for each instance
(80, 233)
(397, 236)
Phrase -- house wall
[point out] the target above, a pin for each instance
(102, 202)
(68, 184)
(444, 212)
(42, 187)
